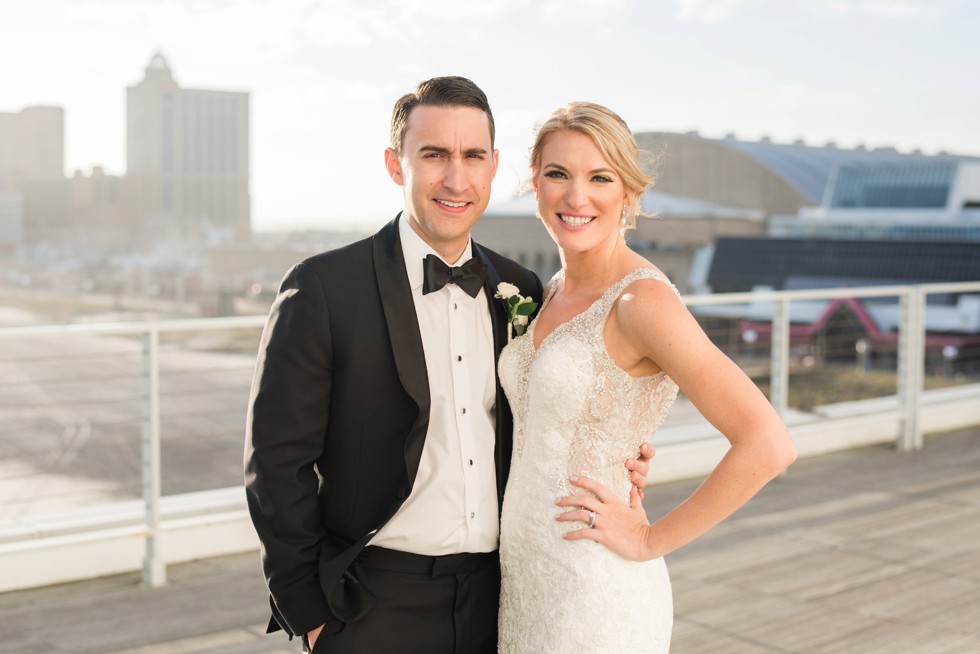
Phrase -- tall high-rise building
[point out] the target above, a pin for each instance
(187, 153)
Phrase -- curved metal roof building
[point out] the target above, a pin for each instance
(779, 178)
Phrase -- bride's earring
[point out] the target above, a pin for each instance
(624, 219)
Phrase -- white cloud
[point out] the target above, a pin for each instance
(579, 12)
(713, 11)
(345, 24)
(895, 10)
(887, 9)
(708, 11)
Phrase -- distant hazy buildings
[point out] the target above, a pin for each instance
(187, 178)
(878, 223)
(105, 211)
(11, 219)
(872, 218)
(738, 192)
(927, 201)
(32, 158)
(778, 178)
(33, 145)
(187, 156)
(839, 218)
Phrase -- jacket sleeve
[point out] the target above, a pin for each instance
(537, 293)
(285, 435)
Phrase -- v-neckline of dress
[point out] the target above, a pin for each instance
(535, 349)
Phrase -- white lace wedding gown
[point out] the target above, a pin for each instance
(576, 413)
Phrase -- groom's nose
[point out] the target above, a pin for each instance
(455, 178)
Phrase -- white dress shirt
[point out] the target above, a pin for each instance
(453, 505)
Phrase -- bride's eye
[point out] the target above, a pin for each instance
(555, 174)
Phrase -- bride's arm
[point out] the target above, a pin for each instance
(651, 329)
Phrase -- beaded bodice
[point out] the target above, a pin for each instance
(573, 404)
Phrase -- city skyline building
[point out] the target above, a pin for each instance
(32, 164)
(187, 155)
(33, 145)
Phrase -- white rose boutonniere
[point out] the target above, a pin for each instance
(519, 308)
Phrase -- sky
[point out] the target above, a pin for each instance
(323, 75)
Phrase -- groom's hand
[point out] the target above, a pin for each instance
(640, 466)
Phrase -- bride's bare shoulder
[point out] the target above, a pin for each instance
(651, 303)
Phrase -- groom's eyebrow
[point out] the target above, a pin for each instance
(447, 151)
(434, 148)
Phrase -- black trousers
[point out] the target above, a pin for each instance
(425, 604)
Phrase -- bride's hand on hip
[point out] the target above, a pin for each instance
(623, 529)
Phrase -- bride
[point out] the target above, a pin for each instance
(591, 379)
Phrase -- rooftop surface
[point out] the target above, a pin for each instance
(863, 551)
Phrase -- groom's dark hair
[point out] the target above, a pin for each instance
(450, 91)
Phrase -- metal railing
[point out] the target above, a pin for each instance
(910, 337)
(154, 569)
(910, 343)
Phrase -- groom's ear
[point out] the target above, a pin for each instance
(394, 166)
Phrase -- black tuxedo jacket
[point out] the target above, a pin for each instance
(338, 415)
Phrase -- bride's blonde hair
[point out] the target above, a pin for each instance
(612, 136)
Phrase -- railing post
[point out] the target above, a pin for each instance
(154, 566)
(911, 363)
(779, 357)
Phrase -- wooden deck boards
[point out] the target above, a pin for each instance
(859, 552)
(870, 550)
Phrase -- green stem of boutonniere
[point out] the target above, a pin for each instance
(519, 308)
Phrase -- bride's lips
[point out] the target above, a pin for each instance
(573, 221)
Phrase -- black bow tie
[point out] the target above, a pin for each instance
(469, 277)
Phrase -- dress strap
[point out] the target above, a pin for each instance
(616, 290)
(597, 313)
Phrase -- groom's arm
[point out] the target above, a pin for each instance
(286, 427)
(640, 467)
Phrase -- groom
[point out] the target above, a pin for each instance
(378, 439)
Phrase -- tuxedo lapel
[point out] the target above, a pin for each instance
(498, 315)
(404, 335)
(504, 421)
